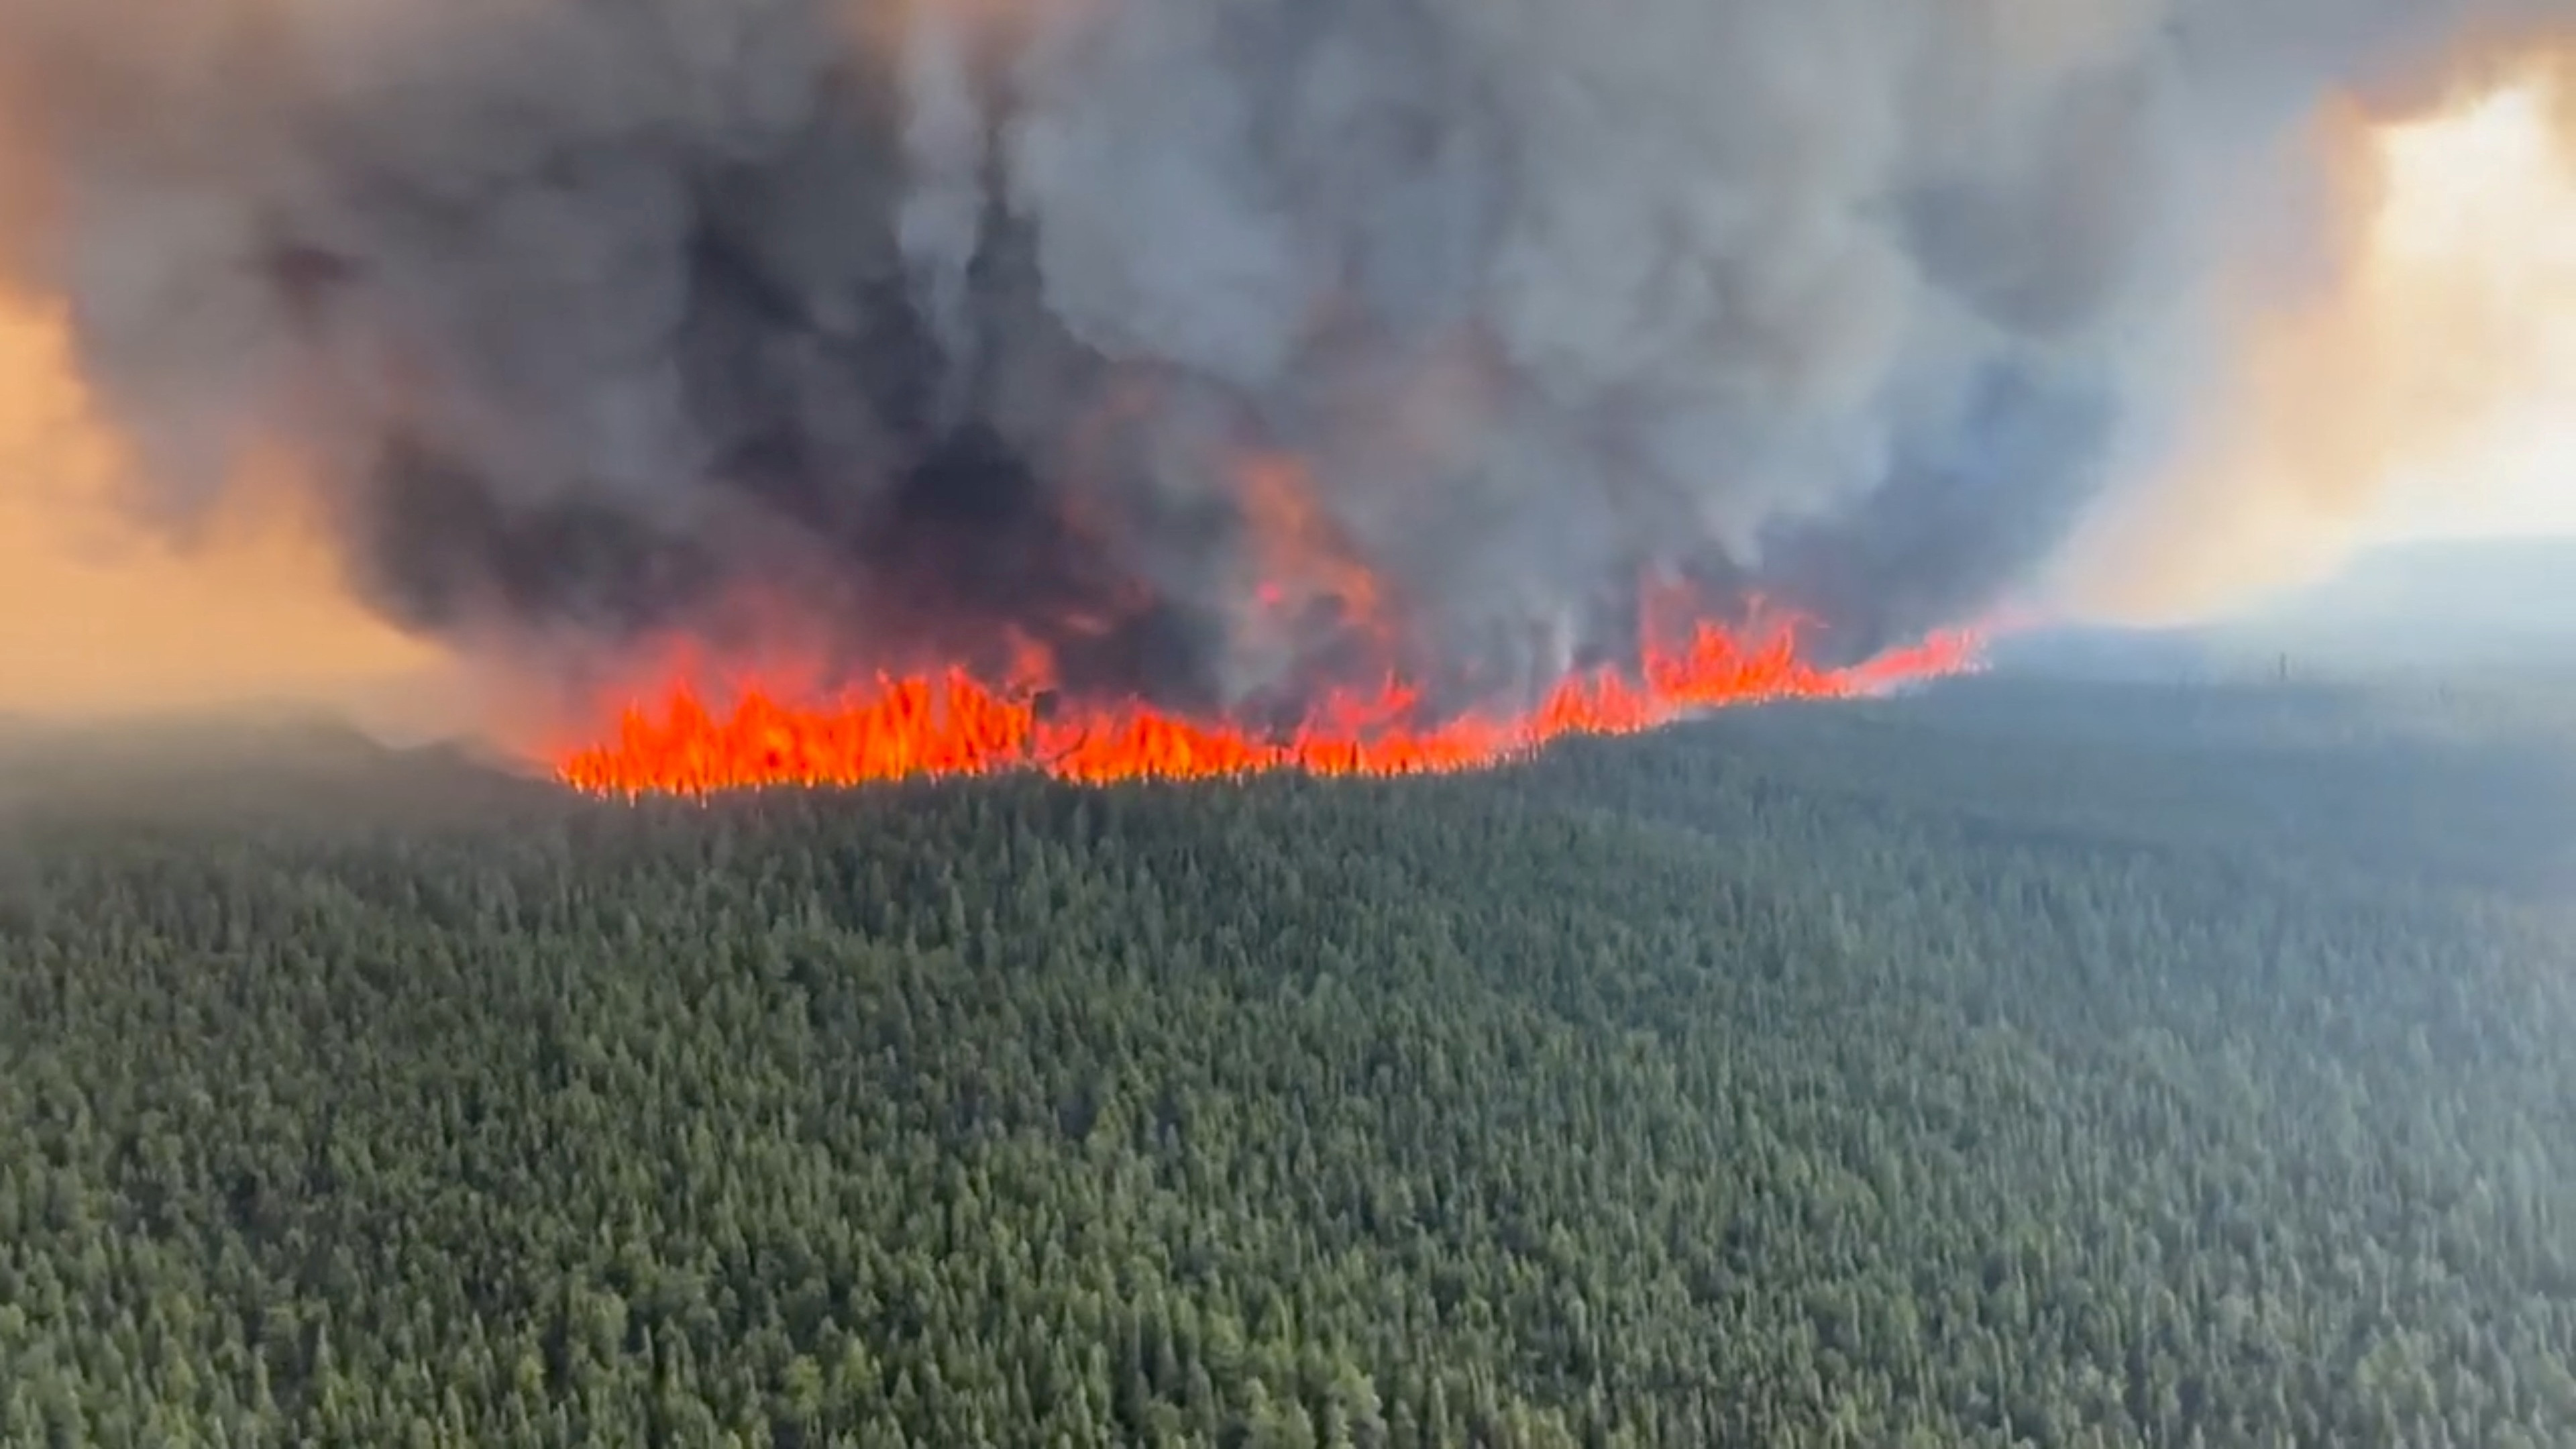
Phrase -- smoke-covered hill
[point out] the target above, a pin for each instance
(2471, 603)
(236, 766)
(2477, 613)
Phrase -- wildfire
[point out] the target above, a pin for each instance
(953, 724)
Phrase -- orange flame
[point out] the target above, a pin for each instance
(1300, 554)
(953, 724)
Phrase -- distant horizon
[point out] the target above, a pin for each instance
(2400, 543)
(2443, 543)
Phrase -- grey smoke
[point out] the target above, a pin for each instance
(595, 314)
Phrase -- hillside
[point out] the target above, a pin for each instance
(2023, 1063)
(2524, 586)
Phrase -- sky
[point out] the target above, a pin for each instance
(2482, 205)
(97, 615)
(2417, 382)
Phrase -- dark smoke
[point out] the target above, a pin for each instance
(601, 316)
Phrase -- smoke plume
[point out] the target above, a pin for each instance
(889, 323)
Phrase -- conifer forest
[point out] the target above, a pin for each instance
(2020, 1063)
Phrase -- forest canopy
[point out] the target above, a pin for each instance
(2025, 1063)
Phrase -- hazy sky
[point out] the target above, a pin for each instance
(2485, 202)
(96, 614)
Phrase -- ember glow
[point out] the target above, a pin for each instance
(953, 724)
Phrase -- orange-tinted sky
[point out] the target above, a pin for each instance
(2490, 203)
(99, 615)
(2430, 390)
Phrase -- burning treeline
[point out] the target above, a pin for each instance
(1117, 385)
